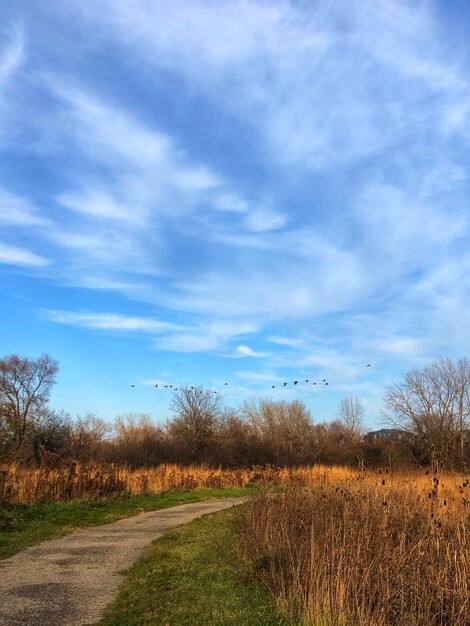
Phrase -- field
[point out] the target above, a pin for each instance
(375, 549)
(332, 546)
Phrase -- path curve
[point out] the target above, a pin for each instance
(69, 581)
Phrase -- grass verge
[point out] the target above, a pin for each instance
(193, 576)
(22, 526)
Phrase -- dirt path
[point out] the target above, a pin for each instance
(69, 581)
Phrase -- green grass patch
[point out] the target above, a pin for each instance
(22, 526)
(193, 576)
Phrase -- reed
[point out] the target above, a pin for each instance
(20, 485)
(366, 548)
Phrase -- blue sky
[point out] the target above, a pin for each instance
(200, 192)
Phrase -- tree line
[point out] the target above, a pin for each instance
(429, 409)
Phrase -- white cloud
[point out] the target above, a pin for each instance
(110, 321)
(296, 280)
(12, 53)
(262, 220)
(117, 250)
(136, 178)
(18, 211)
(147, 166)
(323, 83)
(11, 255)
(12, 59)
(178, 338)
(401, 346)
(243, 351)
(258, 377)
(189, 343)
(291, 342)
(98, 203)
(395, 220)
(206, 336)
(231, 203)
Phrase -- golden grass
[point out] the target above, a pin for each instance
(371, 549)
(19, 485)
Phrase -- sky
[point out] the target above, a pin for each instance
(200, 192)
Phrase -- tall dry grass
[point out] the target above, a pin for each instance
(366, 550)
(19, 485)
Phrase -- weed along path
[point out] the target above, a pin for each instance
(69, 581)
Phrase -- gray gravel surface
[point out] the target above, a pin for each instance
(69, 581)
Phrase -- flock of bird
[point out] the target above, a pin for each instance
(305, 381)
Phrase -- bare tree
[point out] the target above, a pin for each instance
(351, 414)
(51, 438)
(197, 414)
(25, 386)
(462, 401)
(433, 403)
(138, 441)
(285, 428)
(237, 445)
(88, 437)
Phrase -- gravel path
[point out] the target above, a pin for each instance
(69, 581)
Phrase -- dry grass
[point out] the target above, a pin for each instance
(336, 547)
(374, 549)
(20, 485)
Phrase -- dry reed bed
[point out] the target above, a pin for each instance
(366, 550)
(19, 485)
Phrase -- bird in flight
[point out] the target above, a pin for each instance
(132, 385)
(306, 380)
(368, 365)
(273, 386)
(314, 383)
(284, 384)
(225, 383)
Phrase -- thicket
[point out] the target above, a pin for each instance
(431, 406)
(277, 433)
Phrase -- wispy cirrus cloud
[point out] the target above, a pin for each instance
(17, 211)
(185, 337)
(12, 255)
(324, 84)
(12, 51)
(142, 164)
(141, 182)
(207, 336)
(110, 321)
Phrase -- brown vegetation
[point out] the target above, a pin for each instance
(375, 549)
(20, 485)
